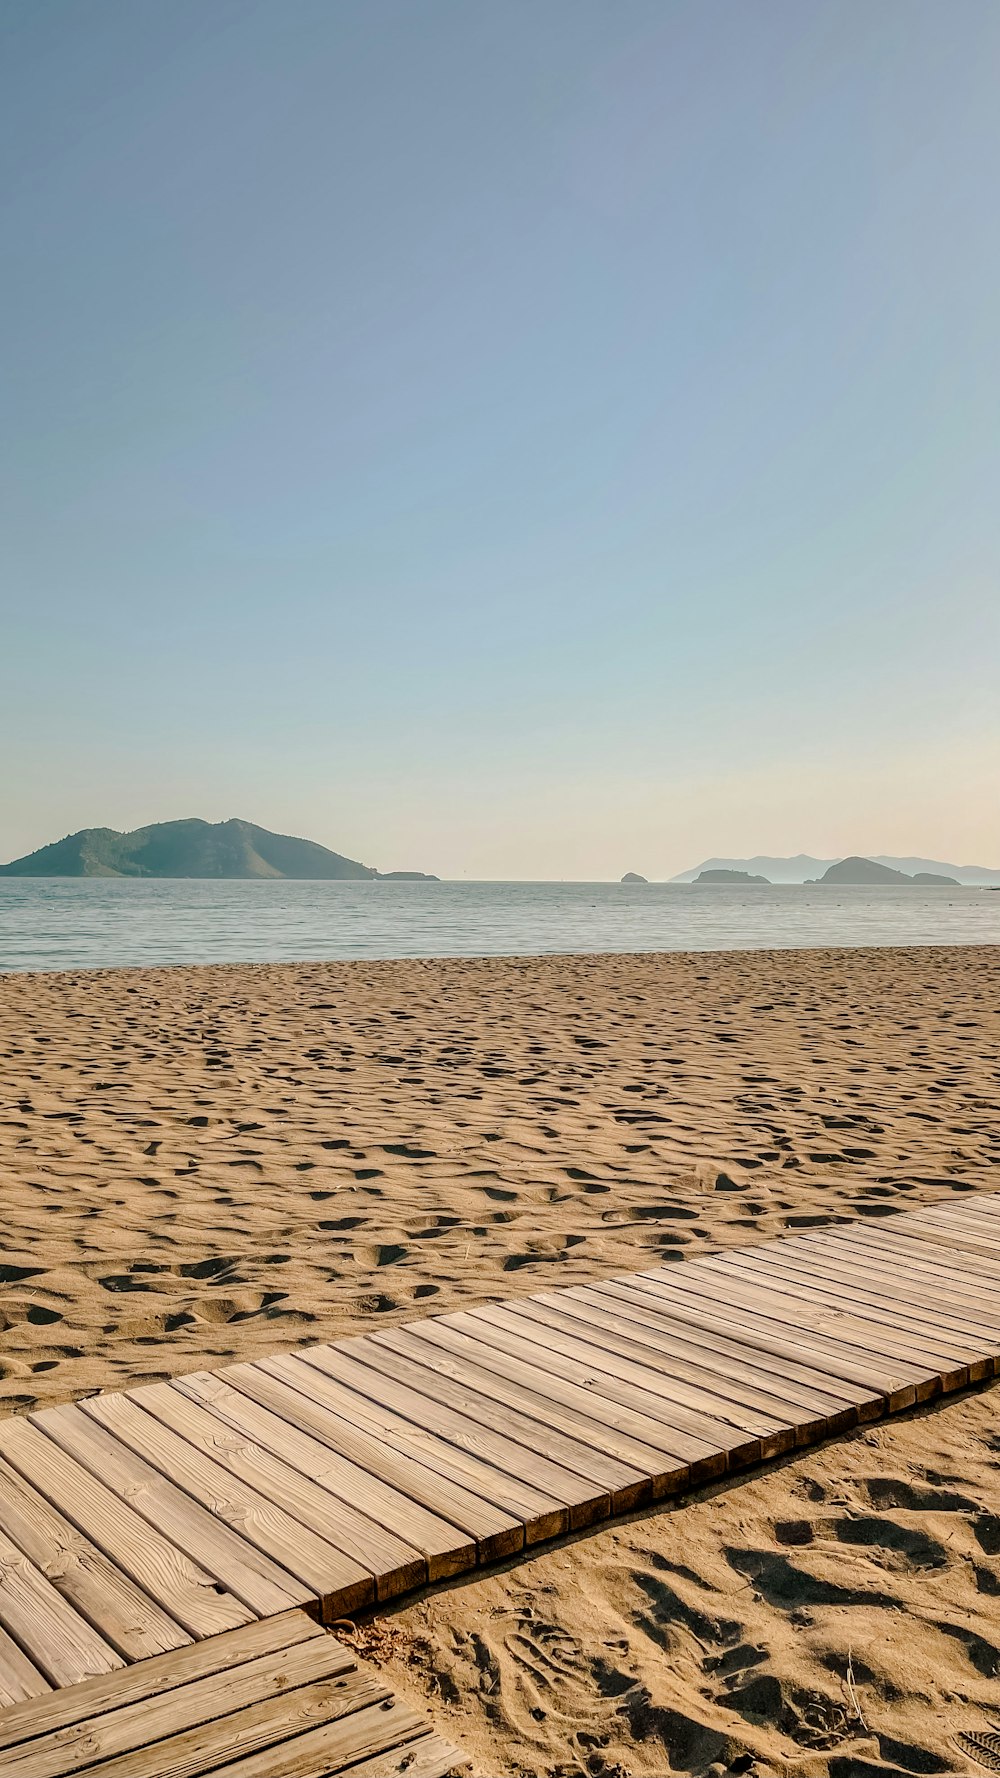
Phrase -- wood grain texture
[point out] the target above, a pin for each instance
(166, 1572)
(87, 1578)
(55, 1638)
(147, 1679)
(281, 1697)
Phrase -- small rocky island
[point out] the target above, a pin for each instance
(632, 876)
(730, 876)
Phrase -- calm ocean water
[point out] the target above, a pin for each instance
(48, 923)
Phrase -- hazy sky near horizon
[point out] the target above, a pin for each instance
(515, 438)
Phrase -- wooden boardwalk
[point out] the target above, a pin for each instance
(278, 1699)
(138, 1525)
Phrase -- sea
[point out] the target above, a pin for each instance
(100, 923)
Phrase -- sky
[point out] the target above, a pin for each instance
(526, 438)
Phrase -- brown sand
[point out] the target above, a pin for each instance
(200, 1164)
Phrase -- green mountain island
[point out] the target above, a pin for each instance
(196, 849)
(867, 870)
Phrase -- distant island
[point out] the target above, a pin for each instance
(729, 876)
(868, 870)
(805, 869)
(631, 876)
(196, 849)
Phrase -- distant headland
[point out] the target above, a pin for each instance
(722, 875)
(196, 848)
(924, 872)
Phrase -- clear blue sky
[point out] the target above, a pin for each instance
(503, 437)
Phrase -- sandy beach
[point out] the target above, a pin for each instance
(204, 1164)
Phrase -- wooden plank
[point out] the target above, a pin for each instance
(807, 1412)
(888, 1327)
(149, 1679)
(610, 1483)
(793, 1382)
(976, 1277)
(544, 1493)
(874, 1278)
(956, 1218)
(338, 1746)
(135, 1726)
(550, 1362)
(331, 1577)
(406, 1481)
(376, 1504)
(979, 1211)
(767, 1319)
(891, 1325)
(540, 1514)
(262, 1724)
(728, 1398)
(55, 1638)
(537, 1514)
(19, 1677)
(980, 1233)
(237, 1565)
(184, 1592)
(429, 1756)
(961, 1241)
(634, 1386)
(631, 1410)
(454, 1356)
(616, 1431)
(828, 1310)
(919, 1273)
(494, 1532)
(189, 1408)
(87, 1579)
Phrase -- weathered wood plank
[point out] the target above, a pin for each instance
(265, 1723)
(615, 1430)
(276, 1416)
(632, 1388)
(877, 1281)
(338, 1746)
(184, 1592)
(83, 1574)
(767, 1320)
(886, 1328)
(236, 1562)
(189, 1408)
(19, 1677)
(136, 1725)
(540, 1515)
(445, 1395)
(537, 1489)
(729, 1399)
(148, 1679)
(792, 1383)
(329, 1575)
(879, 1339)
(55, 1638)
(975, 1278)
(496, 1533)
